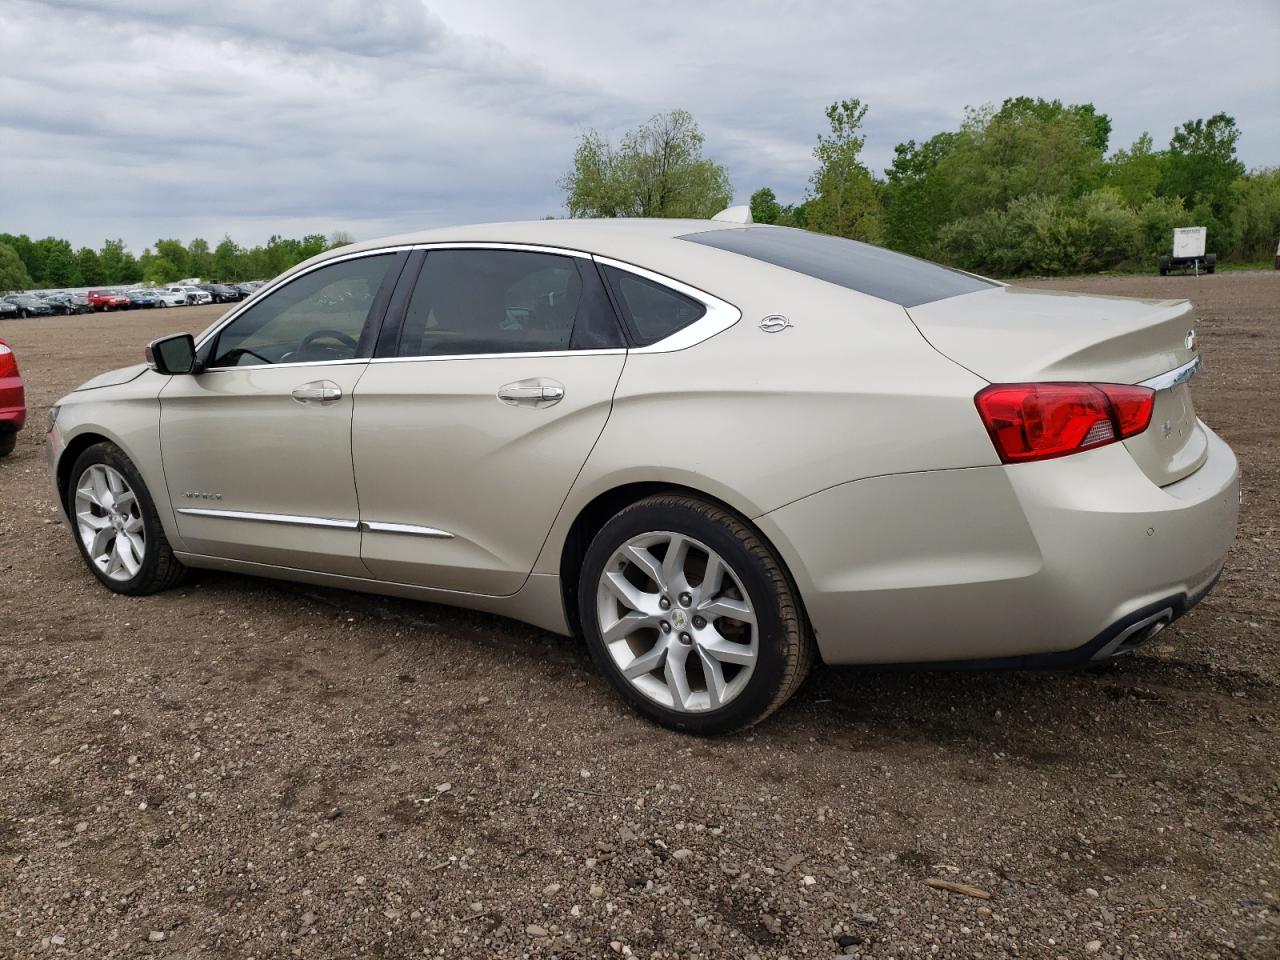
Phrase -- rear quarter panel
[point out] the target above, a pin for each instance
(758, 420)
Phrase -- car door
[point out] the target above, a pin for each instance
(257, 446)
(493, 380)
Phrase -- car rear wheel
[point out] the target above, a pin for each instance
(8, 440)
(117, 527)
(691, 616)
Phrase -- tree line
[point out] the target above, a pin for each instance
(1028, 188)
(52, 262)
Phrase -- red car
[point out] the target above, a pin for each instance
(108, 300)
(13, 403)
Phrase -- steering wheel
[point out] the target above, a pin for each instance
(315, 335)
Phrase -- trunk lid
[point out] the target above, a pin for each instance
(1016, 335)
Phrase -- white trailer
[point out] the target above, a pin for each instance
(1188, 252)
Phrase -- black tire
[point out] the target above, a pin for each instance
(1163, 265)
(785, 642)
(8, 440)
(160, 569)
(1210, 262)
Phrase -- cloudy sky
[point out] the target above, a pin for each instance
(144, 118)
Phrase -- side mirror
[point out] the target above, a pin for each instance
(172, 355)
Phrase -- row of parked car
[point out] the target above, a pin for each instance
(101, 300)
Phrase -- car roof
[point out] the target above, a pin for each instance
(651, 243)
(623, 238)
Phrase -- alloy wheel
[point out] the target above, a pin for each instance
(677, 622)
(109, 521)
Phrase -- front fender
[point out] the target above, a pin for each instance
(127, 415)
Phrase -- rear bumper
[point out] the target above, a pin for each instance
(13, 406)
(1036, 564)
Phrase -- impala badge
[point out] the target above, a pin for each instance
(775, 323)
(197, 495)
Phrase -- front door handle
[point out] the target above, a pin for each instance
(317, 391)
(534, 392)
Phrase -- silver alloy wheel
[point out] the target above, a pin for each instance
(109, 520)
(677, 622)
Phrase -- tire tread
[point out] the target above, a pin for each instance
(167, 571)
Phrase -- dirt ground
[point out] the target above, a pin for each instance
(243, 769)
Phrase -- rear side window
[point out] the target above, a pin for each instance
(652, 311)
(504, 301)
(896, 277)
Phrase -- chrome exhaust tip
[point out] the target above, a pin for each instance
(1134, 635)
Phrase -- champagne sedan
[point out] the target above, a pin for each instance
(717, 451)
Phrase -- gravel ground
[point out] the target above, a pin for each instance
(246, 769)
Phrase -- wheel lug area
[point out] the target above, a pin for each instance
(699, 621)
(666, 627)
(665, 603)
(686, 639)
(686, 599)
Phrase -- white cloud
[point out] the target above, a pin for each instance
(158, 119)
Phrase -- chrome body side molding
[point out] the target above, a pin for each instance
(283, 518)
(407, 529)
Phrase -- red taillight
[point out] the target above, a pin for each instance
(1036, 421)
(8, 362)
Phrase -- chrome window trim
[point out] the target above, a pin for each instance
(282, 518)
(533, 354)
(280, 366)
(1174, 377)
(720, 315)
(408, 529)
(283, 281)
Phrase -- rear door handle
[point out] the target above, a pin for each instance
(317, 391)
(534, 392)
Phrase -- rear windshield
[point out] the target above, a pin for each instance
(906, 281)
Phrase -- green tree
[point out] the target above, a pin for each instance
(845, 201)
(199, 259)
(13, 272)
(118, 264)
(1026, 148)
(61, 268)
(657, 170)
(1136, 172)
(1201, 163)
(917, 199)
(90, 266)
(311, 245)
(1255, 215)
(160, 269)
(765, 207)
(28, 252)
(227, 260)
(176, 253)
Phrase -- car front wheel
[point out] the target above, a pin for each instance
(116, 524)
(691, 616)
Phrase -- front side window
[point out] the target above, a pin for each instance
(320, 316)
(492, 301)
(653, 311)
